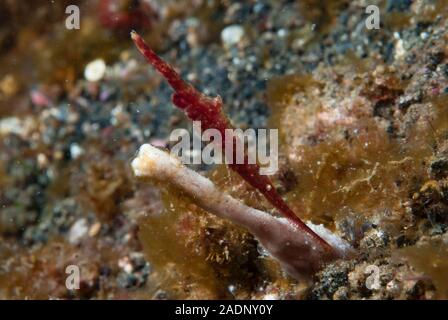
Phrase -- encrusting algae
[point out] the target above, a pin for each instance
(343, 160)
(429, 260)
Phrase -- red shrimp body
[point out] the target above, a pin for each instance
(208, 111)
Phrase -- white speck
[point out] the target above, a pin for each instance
(232, 289)
(231, 35)
(424, 35)
(75, 151)
(399, 49)
(42, 160)
(268, 187)
(271, 296)
(282, 33)
(78, 230)
(95, 70)
(126, 265)
(236, 61)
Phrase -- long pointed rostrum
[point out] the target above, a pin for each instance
(207, 110)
